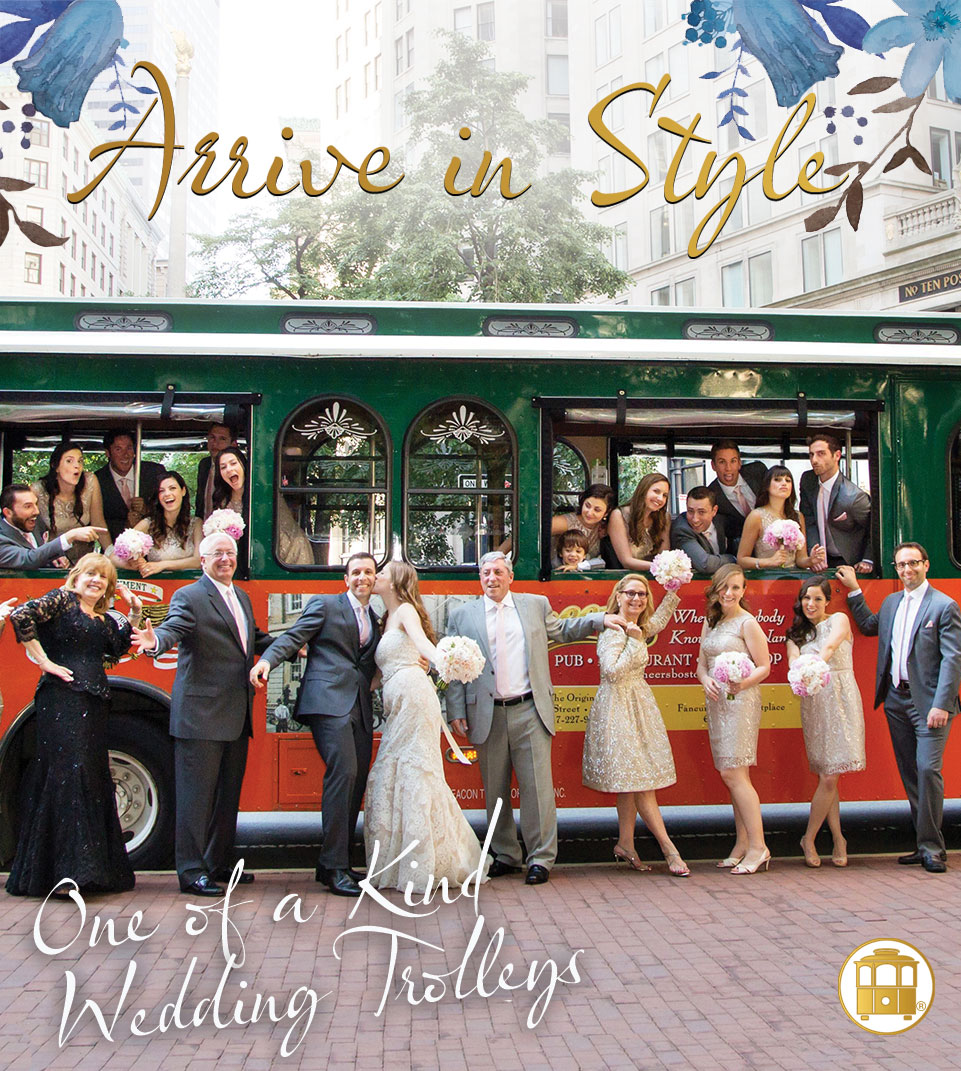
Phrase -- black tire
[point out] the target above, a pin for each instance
(141, 764)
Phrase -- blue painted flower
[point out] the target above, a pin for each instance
(63, 63)
(788, 43)
(934, 29)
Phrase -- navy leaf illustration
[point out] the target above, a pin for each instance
(732, 91)
(121, 104)
(744, 132)
(846, 25)
(14, 38)
(117, 125)
(144, 89)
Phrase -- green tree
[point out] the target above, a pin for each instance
(419, 242)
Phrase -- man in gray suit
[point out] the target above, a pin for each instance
(700, 532)
(212, 624)
(22, 532)
(918, 676)
(508, 712)
(837, 513)
(736, 488)
(334, 699)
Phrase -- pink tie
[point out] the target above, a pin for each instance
(363, 624)
(741, 502)
(125, 491)
(239, 618)
(501, 673)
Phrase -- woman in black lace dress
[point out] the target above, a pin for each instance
(69, 826)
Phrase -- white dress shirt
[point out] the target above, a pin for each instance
(826, 540)
(901, 631)
(517, 677)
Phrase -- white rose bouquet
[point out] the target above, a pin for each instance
(672, 569)
(786, 533)
(809, 674)
(131, 545)
(459, 659)
(731, 667)
(228, 521)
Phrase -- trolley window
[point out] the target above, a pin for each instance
(332, 487)
(460, 484)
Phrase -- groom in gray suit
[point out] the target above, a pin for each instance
(918, 676)
(508, 712)
(334, 699)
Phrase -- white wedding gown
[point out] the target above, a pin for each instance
(408, 798)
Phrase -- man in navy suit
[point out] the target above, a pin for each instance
(736, 488)
(334, 699)
(212, 624)
(23, 543)
(918, 676)
(700, 532)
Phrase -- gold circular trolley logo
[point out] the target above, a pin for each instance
(886, 986)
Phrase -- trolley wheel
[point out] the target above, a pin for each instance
(141, 765)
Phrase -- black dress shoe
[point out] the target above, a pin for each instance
(499, 869)
(916, 858)
(357, 875)
(224, 876)
(203, 886)
(339, 882)
(537, 875)
(933, 864)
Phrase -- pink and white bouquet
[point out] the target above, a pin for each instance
(459, 659)
(786, 533)
(731, 667)
(671, 569)
(228, 521)
(131, 545)
(808, 675)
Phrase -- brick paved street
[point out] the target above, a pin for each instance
(714, 971)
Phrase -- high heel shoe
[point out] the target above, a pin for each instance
(676, 865)
(629, 857)
(730, 861)
(839, 857)
(811, 857)
(765, 861)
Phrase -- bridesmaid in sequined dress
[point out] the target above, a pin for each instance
(642, 528)
(733, 724)
(832, 720)
(626, 749)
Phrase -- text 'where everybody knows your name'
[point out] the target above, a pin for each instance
(205, 177)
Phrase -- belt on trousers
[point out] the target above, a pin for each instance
(514, 700)
(904, 688)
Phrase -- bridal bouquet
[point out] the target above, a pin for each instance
(228, 521)
(786, 533)
(459, 659)
(731, 667)
(809, 674)
(131, 544)
(671, 569)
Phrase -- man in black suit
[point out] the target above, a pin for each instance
(213, 625)
(836, 511)
(334, 699)
(123, 505)
(736, 488)
(23, 542)
(700, 532)
(918, 677)
(219, 437)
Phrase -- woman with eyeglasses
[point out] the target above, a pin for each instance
(832, 720)
(626, 749)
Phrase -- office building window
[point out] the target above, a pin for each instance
(485, 22)
(564, 118)
(654, 17)
(463, 22)
(941, 156)
(732, 285)
(35, 171)
(39, 134)
(661, 296)
(556, 18)
(821, 259)
(677, 65)
(760, 274)
(660, 232)
(619, 247)
(31, 268)
(607, 37)
(557, 76)
(63, 279)
(684, 293)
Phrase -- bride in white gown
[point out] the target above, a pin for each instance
(408, 800)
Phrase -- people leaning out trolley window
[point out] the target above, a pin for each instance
(700, 532)
(69, 498)
(736, 487)
(642, 528)
(24, 540)
(594, 507)
(837, 511)
(776, 504)
(175, 533)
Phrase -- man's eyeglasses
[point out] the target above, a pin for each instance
(912, 563)
(223, 554)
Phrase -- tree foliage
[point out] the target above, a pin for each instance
(417, 241)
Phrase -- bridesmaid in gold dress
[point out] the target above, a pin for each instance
(775, 502)
(67, 497)
(642, 528)
(832, 720)
(733, 724)
(626, 749)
